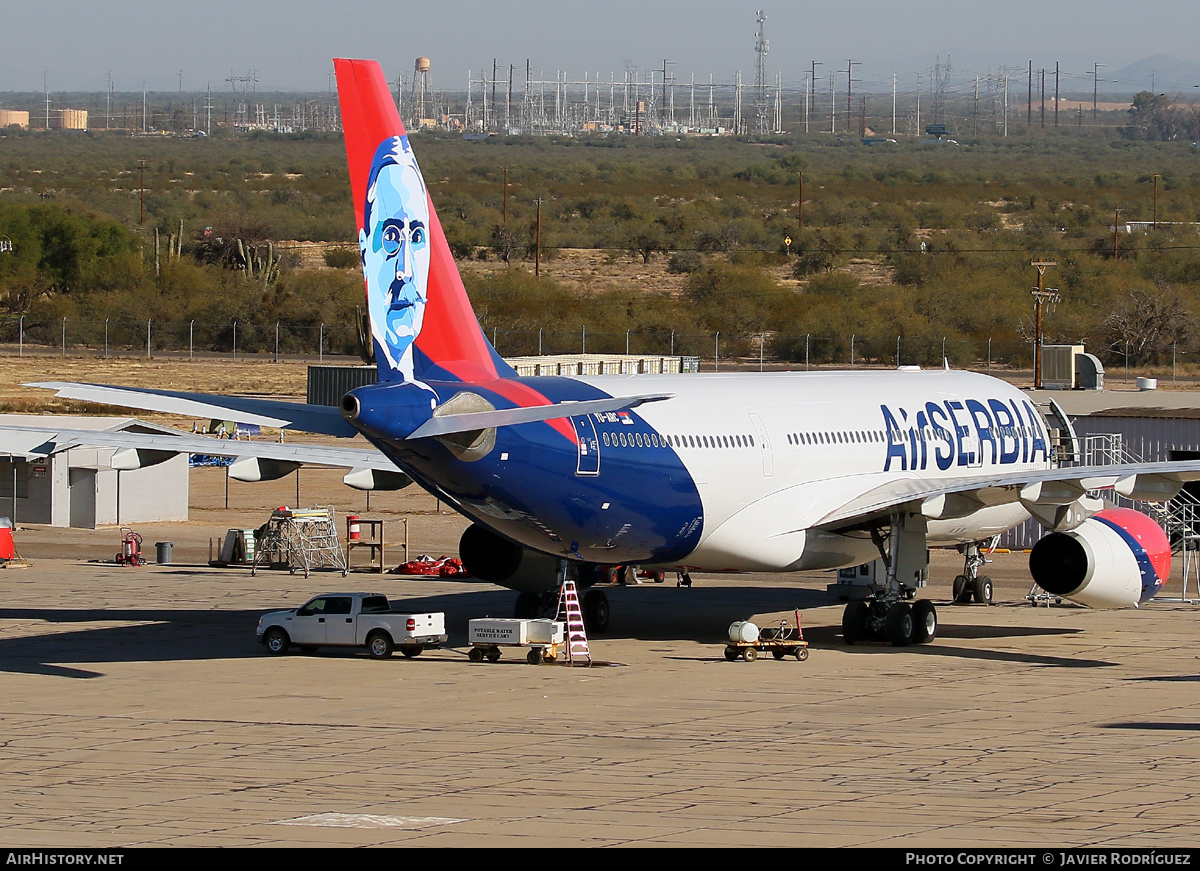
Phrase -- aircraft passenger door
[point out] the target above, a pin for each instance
(589, 446)
(764, 446)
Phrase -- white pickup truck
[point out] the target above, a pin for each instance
(351, 620)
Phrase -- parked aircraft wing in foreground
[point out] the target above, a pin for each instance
(252, 461)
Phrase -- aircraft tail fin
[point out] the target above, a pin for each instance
(422, 325)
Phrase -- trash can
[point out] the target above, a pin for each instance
(164, 552)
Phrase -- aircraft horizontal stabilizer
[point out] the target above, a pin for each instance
(477, 420)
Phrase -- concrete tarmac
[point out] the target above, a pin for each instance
(138, 710)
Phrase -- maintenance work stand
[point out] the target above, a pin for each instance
(300, 539)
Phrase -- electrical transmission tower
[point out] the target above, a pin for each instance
(241, 116)
(762, 106)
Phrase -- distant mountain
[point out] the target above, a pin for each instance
(1161, 73)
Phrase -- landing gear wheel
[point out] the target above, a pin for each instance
(982, 591)
(379, 645)
(750, 654)
(854, 622)
(277, 641)
(595, 611)
(475, 654)
(898, 625)
(962, 590)
(925, 622)
(527, 606)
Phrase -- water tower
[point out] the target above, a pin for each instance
(422, 95)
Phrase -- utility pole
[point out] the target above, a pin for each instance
(1095, 87)
(1041, 295)
(663, 112)
(1043, 97)
(1029, 101)
(1056, 93)
(1156, 178)
(800, 205)
(850, 65)
(537, 260)
(976, 125)
(142, 197)
(814, 66)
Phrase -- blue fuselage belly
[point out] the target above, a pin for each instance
(630, 500)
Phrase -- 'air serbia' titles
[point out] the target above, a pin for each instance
(968, 433)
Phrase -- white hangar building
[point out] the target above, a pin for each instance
(61, 483)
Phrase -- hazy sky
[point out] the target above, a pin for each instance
(289, 44)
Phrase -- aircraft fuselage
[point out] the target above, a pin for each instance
(732, 473)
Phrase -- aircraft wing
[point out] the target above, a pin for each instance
(941, 498)
(319, 419)
(253, 461)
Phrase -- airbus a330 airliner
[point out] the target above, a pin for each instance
(720, 472)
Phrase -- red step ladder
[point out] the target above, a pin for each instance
(577, 643)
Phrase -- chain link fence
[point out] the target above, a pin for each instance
(121, 337)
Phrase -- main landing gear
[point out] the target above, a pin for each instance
(888, 615)
(896, 622)
(971, 585)
(594, 605)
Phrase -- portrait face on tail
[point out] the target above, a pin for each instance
(394, 243)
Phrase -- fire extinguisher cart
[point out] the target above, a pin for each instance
(131, 549)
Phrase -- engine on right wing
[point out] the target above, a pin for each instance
(1116, 559)
(497, 560)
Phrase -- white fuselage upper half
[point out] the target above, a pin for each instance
(771, 455)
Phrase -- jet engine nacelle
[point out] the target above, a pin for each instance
(497, 560)
(1115, 559)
